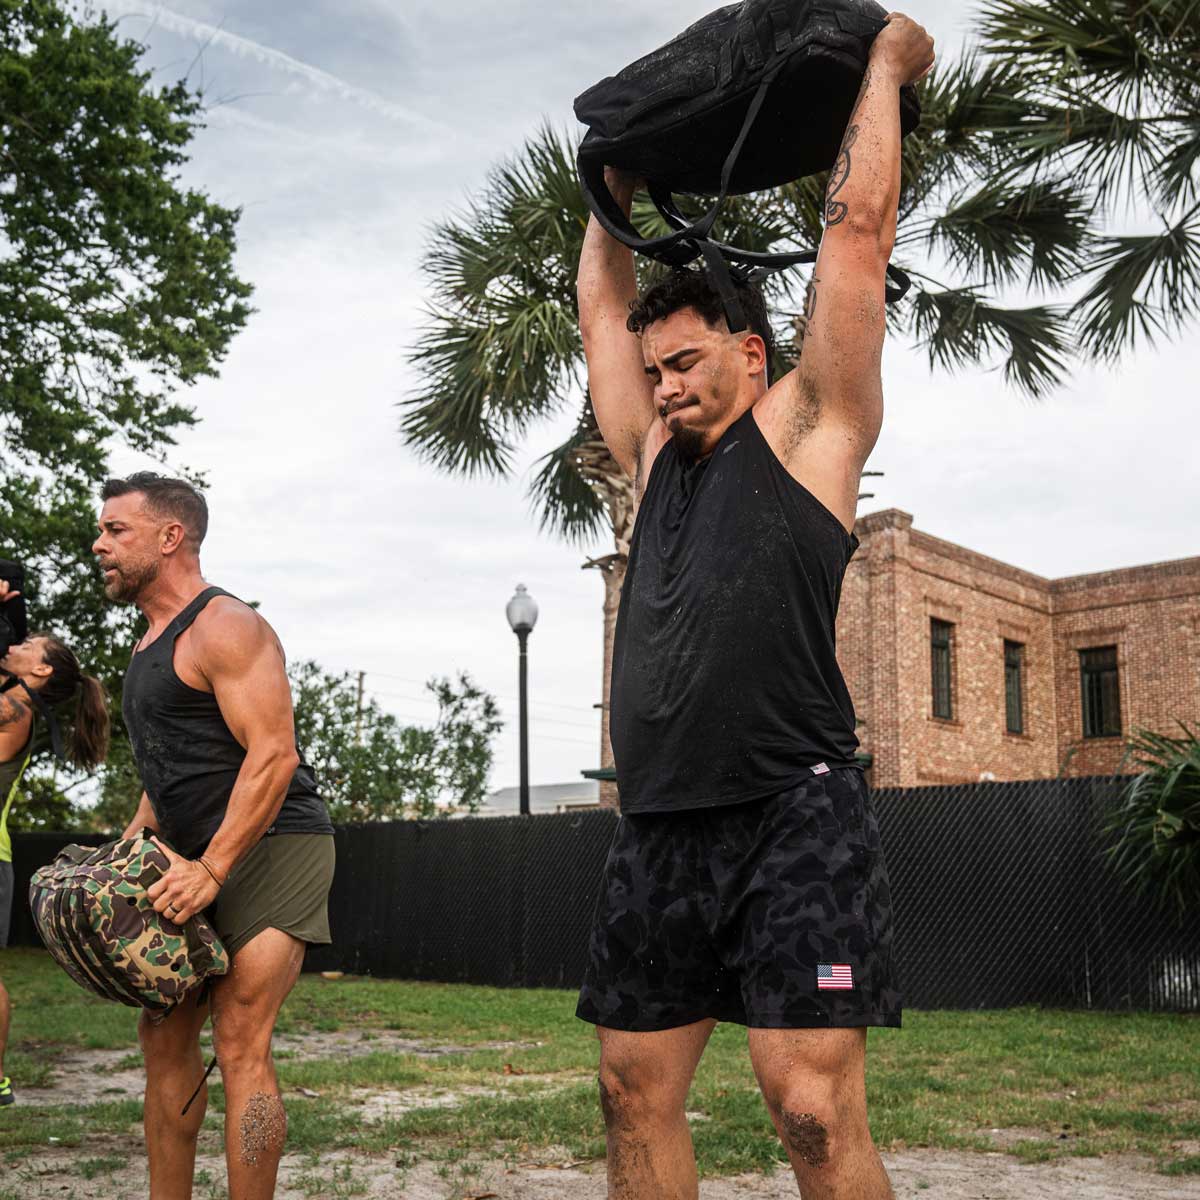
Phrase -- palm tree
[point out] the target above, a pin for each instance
(1007, 185)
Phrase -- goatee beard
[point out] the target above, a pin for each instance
(689, 442)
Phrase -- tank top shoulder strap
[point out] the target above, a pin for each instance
(188, 614)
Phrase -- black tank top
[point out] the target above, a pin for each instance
(725, 683)
(185, 754)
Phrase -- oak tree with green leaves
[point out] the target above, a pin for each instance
(1049, 216)
(117, 290)
(371, 767)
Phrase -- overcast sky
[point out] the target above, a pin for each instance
(344, 128)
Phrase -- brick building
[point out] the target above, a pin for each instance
(963, 668)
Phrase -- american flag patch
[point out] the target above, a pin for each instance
(821, 769)
(835, 976)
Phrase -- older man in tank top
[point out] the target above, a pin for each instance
(209, 712)
(745, 882)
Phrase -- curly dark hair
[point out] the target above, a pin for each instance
(684, 288)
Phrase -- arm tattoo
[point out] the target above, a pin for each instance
(11, 710)
(836, 210)
(804, 320)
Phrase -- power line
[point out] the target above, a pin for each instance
(432, 700)
(421, 683)
(542, 737)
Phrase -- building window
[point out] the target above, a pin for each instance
(941, 636)
(1014, 686)
(1101, 692)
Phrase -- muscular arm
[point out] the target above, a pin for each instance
(242, 660)
(824, 418)
(621, 394)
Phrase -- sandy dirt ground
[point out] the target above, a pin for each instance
(916, 1175)
(117, 1163)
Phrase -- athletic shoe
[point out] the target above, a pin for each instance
(6, 1092)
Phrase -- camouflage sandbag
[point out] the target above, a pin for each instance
(91, 909)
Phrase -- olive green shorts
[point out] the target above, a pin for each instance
(283, 883)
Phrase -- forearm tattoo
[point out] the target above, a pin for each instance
(837, 210)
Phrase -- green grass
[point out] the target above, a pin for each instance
(90, 1168)
(1070, 1082)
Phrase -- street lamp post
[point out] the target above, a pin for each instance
(522, 615)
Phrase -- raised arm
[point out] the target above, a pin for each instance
(621, 393)
(824, 418)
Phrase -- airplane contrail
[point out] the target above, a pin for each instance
(246, 48)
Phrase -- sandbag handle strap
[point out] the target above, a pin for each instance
(763, 264)
(673, 248)
(77, 855)
(721, 278)
(606, 210)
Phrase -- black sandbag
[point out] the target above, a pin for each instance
(752, 96)
(672, 116)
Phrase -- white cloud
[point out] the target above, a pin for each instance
(322, 81)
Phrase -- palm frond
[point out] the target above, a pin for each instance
(960, 329)
(487, 379)
(1174, 177)
(567, 503)
(1002, 232)
(962, 105)
(453, 422)
(500, 348)
(1157, 827)
(1144, 285)
(1105, 151)
(1111, 49)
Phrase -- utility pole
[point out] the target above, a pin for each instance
(362, 675)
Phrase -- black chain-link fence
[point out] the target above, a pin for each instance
(1001, 892)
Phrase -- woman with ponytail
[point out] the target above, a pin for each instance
(40, 675)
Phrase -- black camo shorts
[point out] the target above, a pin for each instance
(774, 914)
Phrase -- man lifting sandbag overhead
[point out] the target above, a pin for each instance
(746, 881)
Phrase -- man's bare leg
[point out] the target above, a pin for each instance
(246, 1003)
(644, 1081)
(814, 1083)
(173, 1069)
(5, 1017)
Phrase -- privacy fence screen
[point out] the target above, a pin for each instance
(1001, 892)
